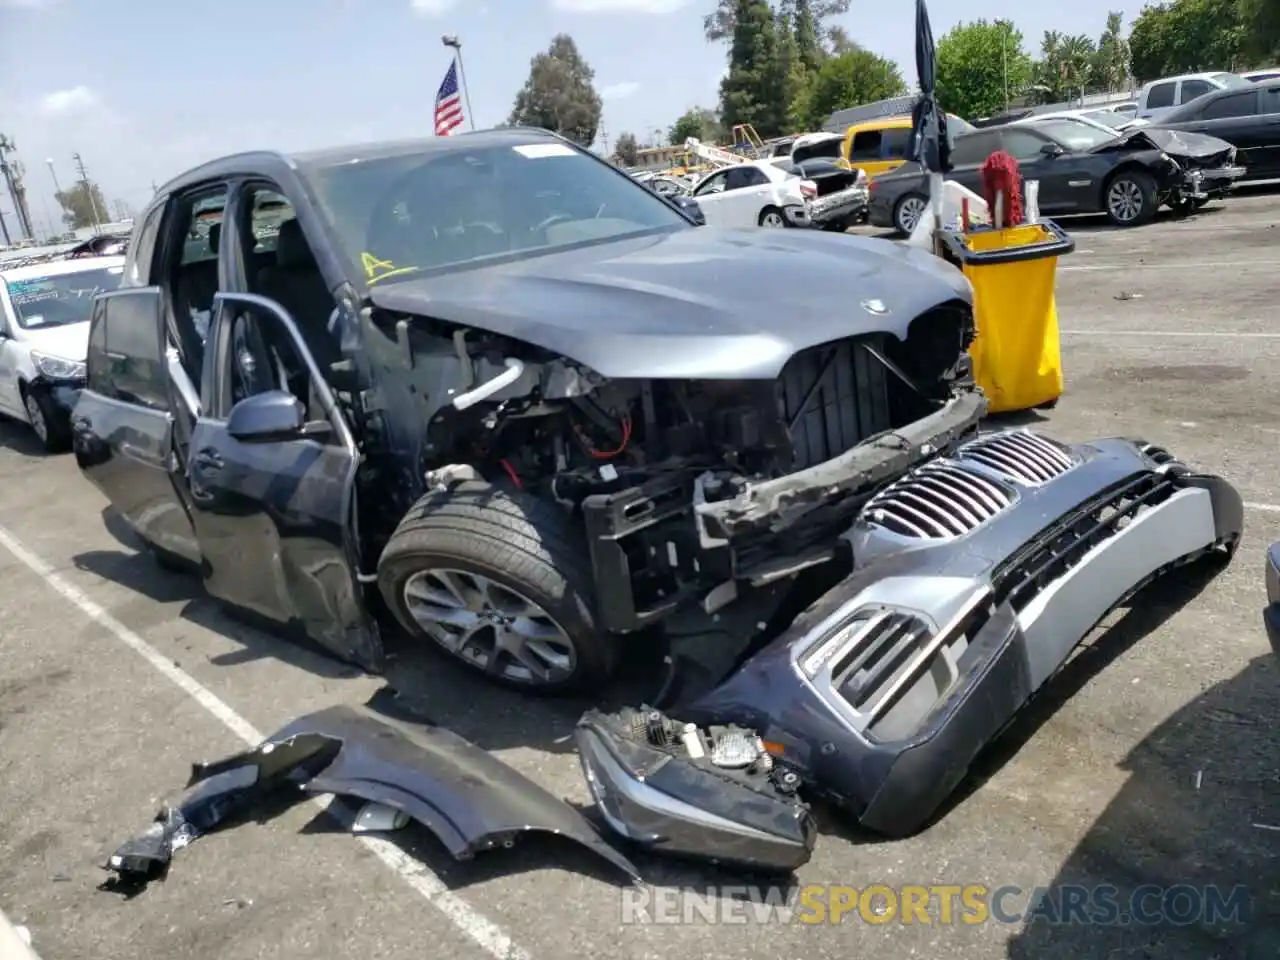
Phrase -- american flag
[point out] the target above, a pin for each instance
(448, 103)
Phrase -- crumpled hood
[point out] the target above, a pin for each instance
(701, 303)
(1176, 143)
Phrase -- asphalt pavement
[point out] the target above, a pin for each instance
(1152, 759)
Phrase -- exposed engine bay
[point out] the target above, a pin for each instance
(665, 474)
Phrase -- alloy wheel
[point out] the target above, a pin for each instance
(1125, 200)
(36, 415)
(772, 219)
(491, 626)
(909, 213)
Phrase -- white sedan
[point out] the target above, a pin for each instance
(44, 338)
(754, 194)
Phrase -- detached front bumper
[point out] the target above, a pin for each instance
(976, 576)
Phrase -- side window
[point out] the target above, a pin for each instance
(972, 149)
(1161, 95)
(137, 272)
(1021, 144)
(260, 355)
(894, 143)
(866, 146)
(1194, 88)
(1242, 104)
(126, 356)
(1270, 101)
(745, 176)
(715, 184)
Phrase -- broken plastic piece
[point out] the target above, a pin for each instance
(403, 770)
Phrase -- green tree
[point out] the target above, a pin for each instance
(627, 150)
(808, 43)
(1262, 30)
(559, 94)
(1066, 65)
(82, 205)
(1111, 61)
(848, 80)
(788, 78)
(698, 122)
(746, 91)
(721, 23)
(980, 66)
(1188, 36)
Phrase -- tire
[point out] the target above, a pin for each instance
(46, 422)
(913, 204)
(479, 541)
(772, 217)
(1129, 198)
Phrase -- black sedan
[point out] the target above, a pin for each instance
(1081, 167)
(1247, 119)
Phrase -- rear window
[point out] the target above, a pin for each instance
(826, 149)
(42, 302)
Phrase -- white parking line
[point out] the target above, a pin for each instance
(1178, 265)
(474, 925)
(1225, 334)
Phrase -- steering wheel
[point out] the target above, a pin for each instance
(552, 221)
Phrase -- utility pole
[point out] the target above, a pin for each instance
(12, 171)
(452, 41)
(88, 189)
(604, 139)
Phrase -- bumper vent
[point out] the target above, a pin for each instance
(880, 651)
(940, 501)
(1019, 455)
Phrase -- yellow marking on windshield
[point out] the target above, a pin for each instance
(373, 267)
(393, 272)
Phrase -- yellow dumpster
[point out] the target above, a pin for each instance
(1017, 356)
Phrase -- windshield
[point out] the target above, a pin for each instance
(402, 215)
(1231, 81)
(957, 127)
(43, 302)
(1075, 134)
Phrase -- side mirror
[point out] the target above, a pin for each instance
(267, 418)
(1052, 150)
(690, 208)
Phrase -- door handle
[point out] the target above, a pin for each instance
(208, 459)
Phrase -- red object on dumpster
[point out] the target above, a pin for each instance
(999, 175)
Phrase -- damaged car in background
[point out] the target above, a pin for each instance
(492, 385)
(1082, 167)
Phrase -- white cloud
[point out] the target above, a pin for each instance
(432, 8)
(619, 91)
(71, 100)
(620, 6)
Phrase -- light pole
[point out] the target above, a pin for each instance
(1004, 59)
(451, 40)
(57, 195)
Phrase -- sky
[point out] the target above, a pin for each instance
(144, 89)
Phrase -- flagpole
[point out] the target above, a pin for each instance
(452, 41)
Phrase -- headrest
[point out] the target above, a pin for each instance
(291, 246)
(215, 234)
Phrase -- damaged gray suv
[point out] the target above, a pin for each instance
(490, 385)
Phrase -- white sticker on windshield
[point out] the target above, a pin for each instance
(536, 151)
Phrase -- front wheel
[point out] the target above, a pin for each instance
(501, 581)
(1130, 198)
(772, 217)
(47, 424)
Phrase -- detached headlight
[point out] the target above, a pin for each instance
(56, 368)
